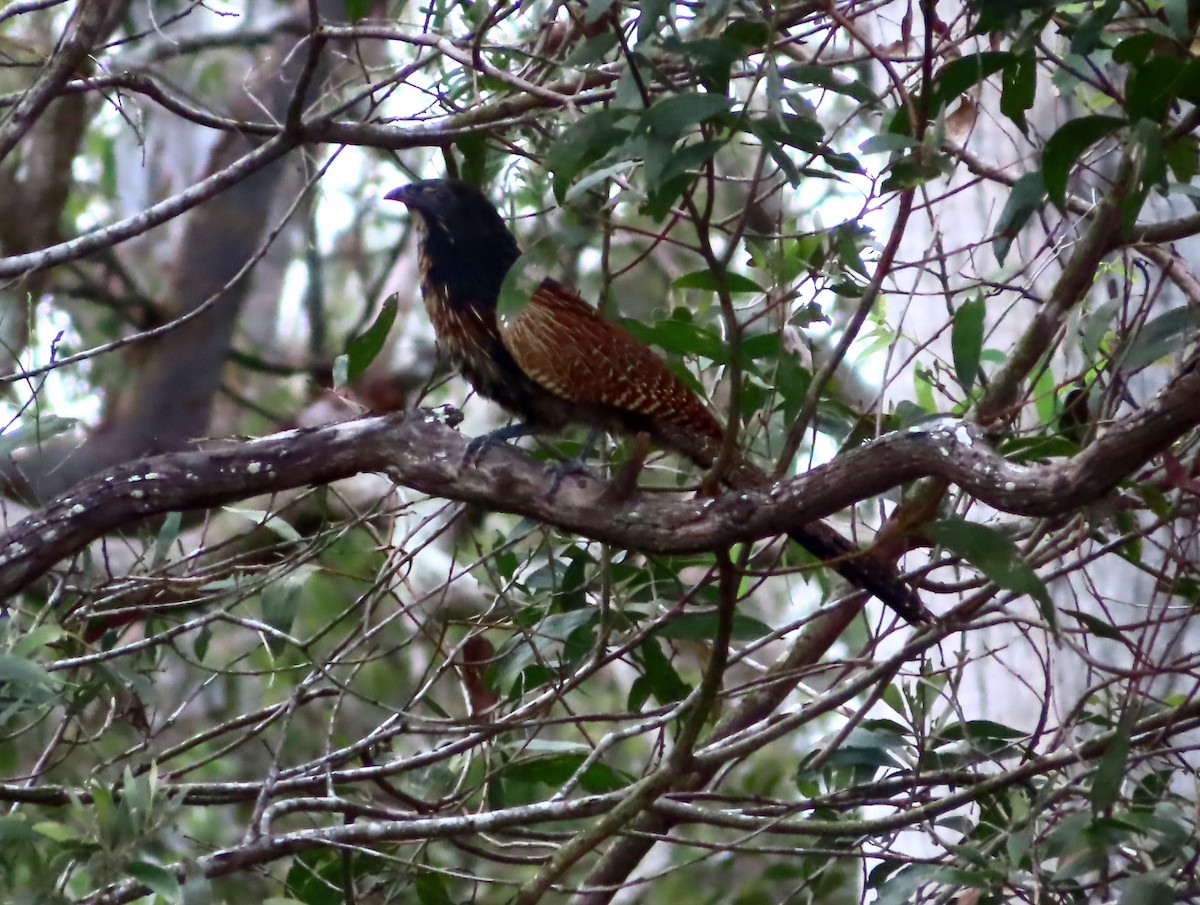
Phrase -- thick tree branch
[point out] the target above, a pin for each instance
(419, 451)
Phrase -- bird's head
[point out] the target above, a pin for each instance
(464, 239)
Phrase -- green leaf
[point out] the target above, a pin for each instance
(268, 520)
(829, 78)
(159, 880)
(1153, 85)
(681, 337)
(595, 9)
(1023, 201)
(355, 10)
(584, 143)
(33, 432)
(980, 731)
(672, 116)
(868, 748)
(705, 280)
(887, 142)
(1018, 89)
(1149, 169)
(1065, 147)
(1087, 34)
(362, 349)
(167, 535)
(37, 638)
(658, 677)
(958, 75)
(555, 769)
(966, 340)
(431, 889)
(703, 627)
(1164, 335)
(1147, 889)
(683, 161)
(1095, 625)
(26, 674)
(473, 147)
(1135, 50)
(1110, 769)
(341, 371)
(593, 50)
(280, 601)
(1183, 158)
(915, 169)
(995, 555)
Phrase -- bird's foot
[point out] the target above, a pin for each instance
(560, 470)
(575, 465)
(477, 447)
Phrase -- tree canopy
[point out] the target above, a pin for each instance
(270, 636)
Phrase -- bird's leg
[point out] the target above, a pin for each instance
(477, 447)
(577, 464)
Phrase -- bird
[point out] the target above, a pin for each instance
(558, 362)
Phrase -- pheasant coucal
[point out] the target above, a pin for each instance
(558, 362)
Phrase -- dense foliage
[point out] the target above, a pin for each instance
(944, 249)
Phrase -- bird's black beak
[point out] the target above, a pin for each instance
(404, 194)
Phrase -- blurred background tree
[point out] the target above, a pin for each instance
(228, 677)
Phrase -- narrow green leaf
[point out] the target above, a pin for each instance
(167, 535)
(1065, 147)
(703, 627)
(994, 554)
(1146, 137)
(37, 638)
(595, 9)
(1023, 201)
(1087, 34)
(1153, 85)
(280, 601)
(431, 889)
(966, 340)
(658, 676)
(159, 880)
(915, 169)
(1160, 337)
(584, 143)
(341, 371)
(1018, 89)
(958, 75)
(684, 160)
(22, 672)
(886, 143)
(705, 280)
(829, 78)
(1183, 159)
(672, 116)
(268, 520)
(1147, 889)
(33, 432)
(1110, 769)
(362, 349)
(680, 337)
(1095, 625)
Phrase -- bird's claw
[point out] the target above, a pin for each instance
(477, 447)
(560, 470)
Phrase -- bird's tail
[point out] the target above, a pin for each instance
(861, 569)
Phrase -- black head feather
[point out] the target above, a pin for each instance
(468, 248)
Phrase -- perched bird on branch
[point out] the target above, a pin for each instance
(558, 362)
